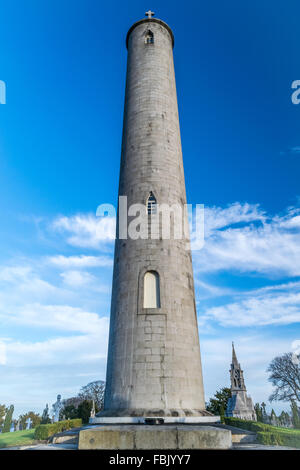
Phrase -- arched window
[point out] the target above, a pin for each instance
(151, 290)
(149, 37)
(151, 204)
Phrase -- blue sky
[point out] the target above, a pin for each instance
(64, 65)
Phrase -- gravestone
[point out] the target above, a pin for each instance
(28, 423)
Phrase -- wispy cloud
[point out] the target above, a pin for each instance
(86, 231)
(207, 290)
(81, 261)
(242, 238)
(68, 349)
(291, 151)
(278, 305)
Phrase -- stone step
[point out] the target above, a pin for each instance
(239, 435)
(65, 440)
(66, 437)
(157, 436)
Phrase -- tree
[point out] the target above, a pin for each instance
(45, 416)
(73, 401)
(8, 419)
(81, 405)
(84, 410)
(70, 409)
(285, 376)
(273, 418)
(295, 415)
(284, 420)
(35, 418)
(94, 391)
(3, 411)
(218, 404)
(265, 417)
(69, 412)
(259, 412)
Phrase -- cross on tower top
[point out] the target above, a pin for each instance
(149, 13)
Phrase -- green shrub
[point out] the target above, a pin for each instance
(254, 426)
(267, 434)
(269, 438)
(44, 431)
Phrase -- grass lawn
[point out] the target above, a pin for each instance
(17, 438)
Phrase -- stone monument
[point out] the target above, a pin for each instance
(154, 372)
(154, 365)
(240, 404)
(56, 408)
(93, 410)
(28, 423)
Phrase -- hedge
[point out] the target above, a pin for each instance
(280, 438)
(44, 431)
(267, 434)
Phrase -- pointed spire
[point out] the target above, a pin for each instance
(234, 358)
(236, 373)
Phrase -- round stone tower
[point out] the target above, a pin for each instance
(154, 365)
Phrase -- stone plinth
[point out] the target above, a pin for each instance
(143, 420)
(142, 437)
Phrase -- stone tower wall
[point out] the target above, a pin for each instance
(154, 365)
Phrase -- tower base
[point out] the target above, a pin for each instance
(142, 437)
(157, 413)
(145, 419)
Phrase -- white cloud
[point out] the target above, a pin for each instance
(266, 306)
(2, 352)
(86, 231)
(270, 246)
(26, 299)
(77, 278)
(206, 290)
(13, 273)
(22, 282)
(236, 213)
(59, 317)
(81, 261)
(68, 350)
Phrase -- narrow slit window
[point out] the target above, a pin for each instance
(149, 37)
(151, 204)
(151, 290)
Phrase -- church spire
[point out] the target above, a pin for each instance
(240, 405)
(234, 358)
(236, 373)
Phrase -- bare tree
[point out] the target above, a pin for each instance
(285, 376)
(73, 401)
(94, 391)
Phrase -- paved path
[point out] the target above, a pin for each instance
(254, 446)
(74, 447)
(44, 447)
